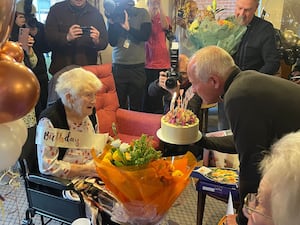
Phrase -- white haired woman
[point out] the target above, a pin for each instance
(76, 89)
(277, 200)
(71, 121)
(280, 185)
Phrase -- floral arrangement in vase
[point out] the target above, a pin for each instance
(144, 183)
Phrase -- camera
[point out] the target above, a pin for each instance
(114, 9)
(180, 13)
(172, 75)
(172, 78)
(86, 30)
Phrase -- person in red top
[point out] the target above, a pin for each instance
(157, 53)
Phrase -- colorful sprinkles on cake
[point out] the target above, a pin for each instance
(180, 116)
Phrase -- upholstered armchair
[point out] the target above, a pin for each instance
(130, 124)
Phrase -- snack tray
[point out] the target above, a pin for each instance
(202, 176)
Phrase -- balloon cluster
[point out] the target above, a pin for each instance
(19, 90)
(288, 45)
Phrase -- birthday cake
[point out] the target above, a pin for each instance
(179, 126)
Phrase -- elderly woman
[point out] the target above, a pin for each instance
(73, 111)
(277, 200)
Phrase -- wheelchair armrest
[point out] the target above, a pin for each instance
(51, 181)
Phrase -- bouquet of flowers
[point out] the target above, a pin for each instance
(206, 30)
(145, 184)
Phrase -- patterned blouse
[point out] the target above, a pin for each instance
(48, 156)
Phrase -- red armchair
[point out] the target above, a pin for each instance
(130, 124)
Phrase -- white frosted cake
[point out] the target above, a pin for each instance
(180, 126)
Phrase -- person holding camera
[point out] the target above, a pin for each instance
(27, 24)
(169, 83)
(164, 88)
(157, 53)
(185, 17)
(129, 28)
(75, 31)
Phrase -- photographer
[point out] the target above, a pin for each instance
(164, 87)
(128, 37)
(158, 87)
(157, 53)
(75, 31)
(25, 19)
(185, 17)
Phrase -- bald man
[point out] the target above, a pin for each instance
(257, 50)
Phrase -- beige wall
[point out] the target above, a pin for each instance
(274, 10)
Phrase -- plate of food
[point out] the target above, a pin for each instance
(226, 176)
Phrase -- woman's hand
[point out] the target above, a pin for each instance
(30, 44)
(231, 219)
(87, 169)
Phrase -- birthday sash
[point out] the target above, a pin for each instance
(62, 138)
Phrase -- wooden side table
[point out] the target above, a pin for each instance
(217, 192)
(203, 123)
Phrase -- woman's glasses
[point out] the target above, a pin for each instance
(251, 203)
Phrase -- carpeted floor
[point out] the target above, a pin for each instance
(183, 212)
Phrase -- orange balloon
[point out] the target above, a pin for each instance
(7, 16)
(14, 50)
(6, 57)
(19, 90)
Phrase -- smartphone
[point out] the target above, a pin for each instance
(86, 30)
(23, 38)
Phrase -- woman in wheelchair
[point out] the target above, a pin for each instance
(76, 90)
(66, 130)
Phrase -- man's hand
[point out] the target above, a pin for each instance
(95, 34)
(74, 32)
(125, 25)
(162, 83)
(162, 80)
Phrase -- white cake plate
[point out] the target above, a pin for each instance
(160, 136)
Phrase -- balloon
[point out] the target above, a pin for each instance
(19, 91)
(10, 148)
(7, 16)
(4, 56)
(18, 129)
(14, 50)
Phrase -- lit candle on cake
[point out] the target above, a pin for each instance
(172, 104)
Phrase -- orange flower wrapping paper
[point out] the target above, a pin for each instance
(147, 193)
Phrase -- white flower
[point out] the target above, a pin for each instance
(116, 143)
(124, 147)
